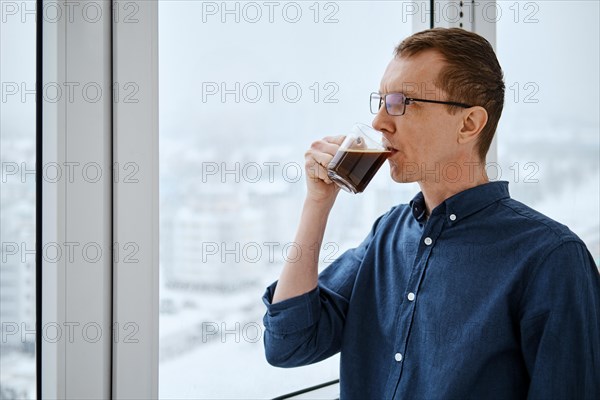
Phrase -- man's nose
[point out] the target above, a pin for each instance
(382, 121)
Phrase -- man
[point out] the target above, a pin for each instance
(463, 293)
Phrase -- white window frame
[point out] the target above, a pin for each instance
(136, 204)
(118, 294)
(76, 290)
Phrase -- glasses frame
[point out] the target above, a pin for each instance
(407, 101)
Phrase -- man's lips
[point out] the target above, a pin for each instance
(389, 148)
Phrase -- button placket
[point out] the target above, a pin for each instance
(405, 318)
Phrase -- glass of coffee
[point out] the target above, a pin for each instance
(359, 157)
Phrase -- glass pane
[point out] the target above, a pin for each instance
(17, 201)
(548, 136)
(245, 87)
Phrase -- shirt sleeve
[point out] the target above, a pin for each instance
(308, 328)
(560, 325)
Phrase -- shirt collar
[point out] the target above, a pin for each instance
(463, 204)
(417, 206)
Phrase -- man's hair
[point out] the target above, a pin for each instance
(472, 74)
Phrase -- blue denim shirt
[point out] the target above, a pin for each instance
(485, 299)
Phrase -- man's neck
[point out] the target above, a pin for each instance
(436, 192)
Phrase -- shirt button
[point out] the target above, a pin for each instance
(452, 217)
(398, 357)
(411, 296)
(428, 241)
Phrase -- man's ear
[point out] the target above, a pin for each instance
(474, 120)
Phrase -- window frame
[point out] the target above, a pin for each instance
(120, 297)
(76, 290)
(136, 204)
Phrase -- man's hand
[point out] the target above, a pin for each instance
(320, 188)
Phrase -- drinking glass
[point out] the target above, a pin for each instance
(359, 157)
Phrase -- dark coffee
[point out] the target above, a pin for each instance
(354, 169)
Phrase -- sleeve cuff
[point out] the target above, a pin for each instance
(293, 314)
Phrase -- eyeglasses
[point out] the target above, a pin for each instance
(395, 103)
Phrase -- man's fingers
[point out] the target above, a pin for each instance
(319, 156)
(324, 146)
(335, 139)
(317, 171)
(322, 158)
(321, 173)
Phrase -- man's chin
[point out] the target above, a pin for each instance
(400, 176)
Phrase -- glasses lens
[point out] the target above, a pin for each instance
(394, 103)
(375, 103)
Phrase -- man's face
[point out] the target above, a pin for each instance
(425, 138)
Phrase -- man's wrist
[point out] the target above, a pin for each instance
(318, 207)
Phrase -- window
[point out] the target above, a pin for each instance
(17, 202)
(245, 87)
(548, 140)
